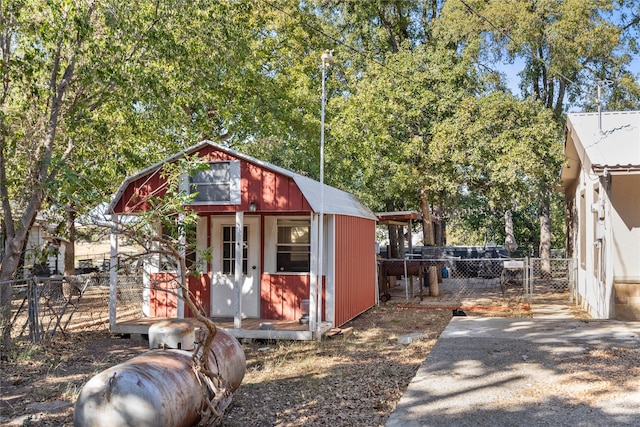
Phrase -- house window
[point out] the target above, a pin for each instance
(219, 184)
(229, 249)
(293, 249)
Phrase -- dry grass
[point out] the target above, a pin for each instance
(355, 380)
(346, 380)
(596, 372)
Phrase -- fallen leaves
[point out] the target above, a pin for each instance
(356, 380)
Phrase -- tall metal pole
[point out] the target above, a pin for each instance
(600, 84)
(327, 58)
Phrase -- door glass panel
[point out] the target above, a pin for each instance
(229, 249)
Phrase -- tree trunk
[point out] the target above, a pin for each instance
(393, 251)
(428, 240)
(427, 225)
(438, 226)
(510, 243)
(8, 267)
(434, 288)
(401, 241)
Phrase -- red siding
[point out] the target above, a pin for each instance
(280, 296)
(136, 194)
(163, 301)
(272, 191)
(200, 288)
(355, 273)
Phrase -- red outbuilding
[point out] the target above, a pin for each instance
(276, 214)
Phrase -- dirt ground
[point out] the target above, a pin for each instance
(355, 379)
(348, 380)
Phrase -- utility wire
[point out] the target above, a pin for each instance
(369, 56)
(516, 42)
(366, 55)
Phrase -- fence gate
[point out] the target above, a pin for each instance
(551, 279)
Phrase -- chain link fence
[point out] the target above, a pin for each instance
(487, 281)
(42, 307)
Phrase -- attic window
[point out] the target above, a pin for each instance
(220, 184)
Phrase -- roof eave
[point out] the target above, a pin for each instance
(603, 170)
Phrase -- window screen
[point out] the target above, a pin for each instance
(293, 252)
(219, 184)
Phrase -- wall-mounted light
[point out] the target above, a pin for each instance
(253, 206)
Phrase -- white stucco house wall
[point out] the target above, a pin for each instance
(601, 183)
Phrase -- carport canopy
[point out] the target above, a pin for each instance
(400, 218)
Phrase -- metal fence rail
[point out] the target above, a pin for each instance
(493, 281)
(42, 307)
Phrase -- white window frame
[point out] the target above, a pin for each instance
(271, 243)
(289, 222)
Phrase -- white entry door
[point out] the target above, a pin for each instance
(223, 238)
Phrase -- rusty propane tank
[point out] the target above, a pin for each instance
(159, 388)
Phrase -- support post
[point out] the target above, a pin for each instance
(182, 240)
(237, 318)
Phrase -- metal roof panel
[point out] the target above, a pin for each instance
(610, 139)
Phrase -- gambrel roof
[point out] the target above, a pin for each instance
(336, 201)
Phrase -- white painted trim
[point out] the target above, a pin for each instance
(238, 279)
(270, 244)
(330, 267)
(182, 240)
(234, 175)
(313, 273)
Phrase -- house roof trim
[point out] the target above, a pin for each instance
(610, 141)
(336, 201)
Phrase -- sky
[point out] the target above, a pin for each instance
(513, 80)
(512, 70)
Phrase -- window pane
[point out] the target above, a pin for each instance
(293, 262)
(229, 250)
(226, 250)
(213, 184)
(212, 192)
(217, 172)
(293, 250)
(293, 234)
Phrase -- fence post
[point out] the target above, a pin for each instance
(527, 274)
(33, 315)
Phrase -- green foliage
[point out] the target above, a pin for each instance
(380, 145)
(555, 41)
(24, 352)
(505, 153)
(415, 104)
